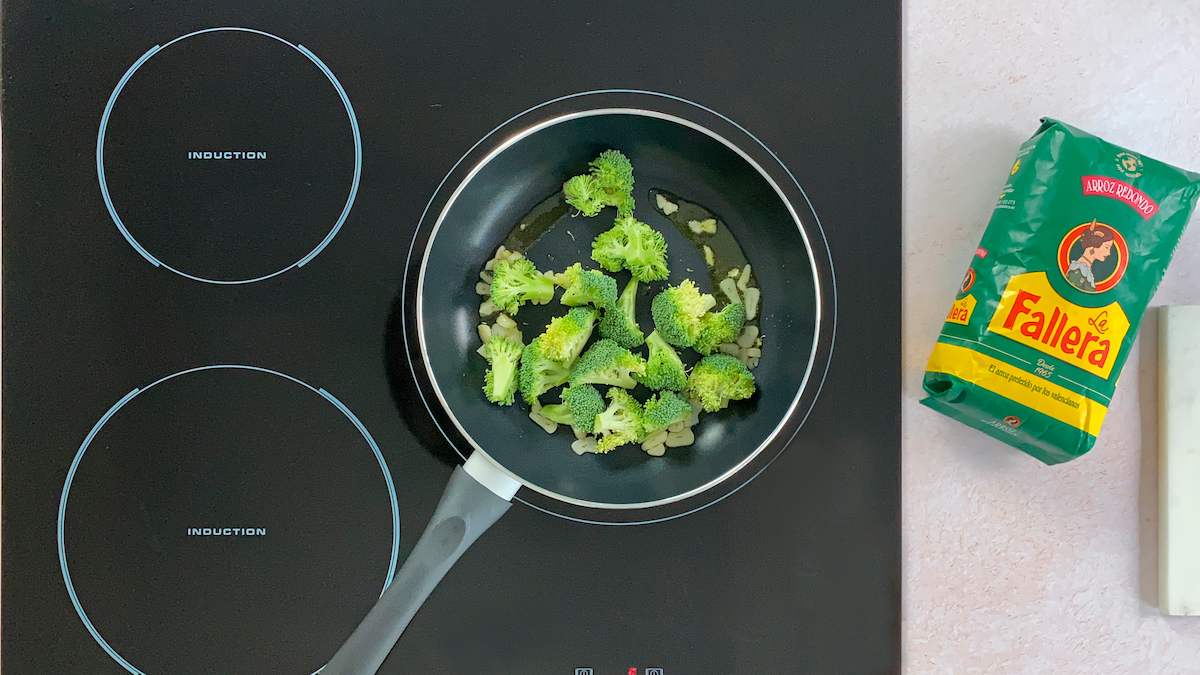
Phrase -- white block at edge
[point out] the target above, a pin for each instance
(1179, 460)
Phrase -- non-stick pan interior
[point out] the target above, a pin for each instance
(667, 154)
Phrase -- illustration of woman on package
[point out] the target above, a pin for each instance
(1097, 243)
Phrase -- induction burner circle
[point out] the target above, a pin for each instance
(224, 155)
(228, 519)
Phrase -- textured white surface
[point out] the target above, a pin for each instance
(1012, 566)
(1179, 459)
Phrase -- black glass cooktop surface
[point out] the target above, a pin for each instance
(214, 456)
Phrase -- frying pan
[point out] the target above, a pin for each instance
(676, 146)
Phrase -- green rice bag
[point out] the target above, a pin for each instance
(1048, 309)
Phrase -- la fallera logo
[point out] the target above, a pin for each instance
(968, 281)
(1033, 314)
(1093, 257)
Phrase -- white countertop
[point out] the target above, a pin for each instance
(1011, 566)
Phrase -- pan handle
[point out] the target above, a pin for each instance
(479, 492)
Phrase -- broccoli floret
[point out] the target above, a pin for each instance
(632, 245)
(719, 379)
(516, 281)
(677, 311)
(579, 407)
(664, 369)
(539, 373)
(583, 193)
(609, 182)
(619, 323)
(614, 177)
(500, 383)
(567, 335)
(607, 249)
(607, 362)
(663, 410)
(719, 327)
(586, 286)
(620, 423)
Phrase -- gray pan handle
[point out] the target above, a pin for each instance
(476, 496)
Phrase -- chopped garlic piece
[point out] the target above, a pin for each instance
(709, 258)
(751, 296)
(749, 335)
(584, 445)
(485, 332)
(706, 226)
(745, 280)
(483, 289)
(679, 439)
(549, 426)
(656, 438)
(729, 288)
(665, 205)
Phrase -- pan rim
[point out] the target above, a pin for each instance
(818, 291)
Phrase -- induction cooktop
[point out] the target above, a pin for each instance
(214, 455)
